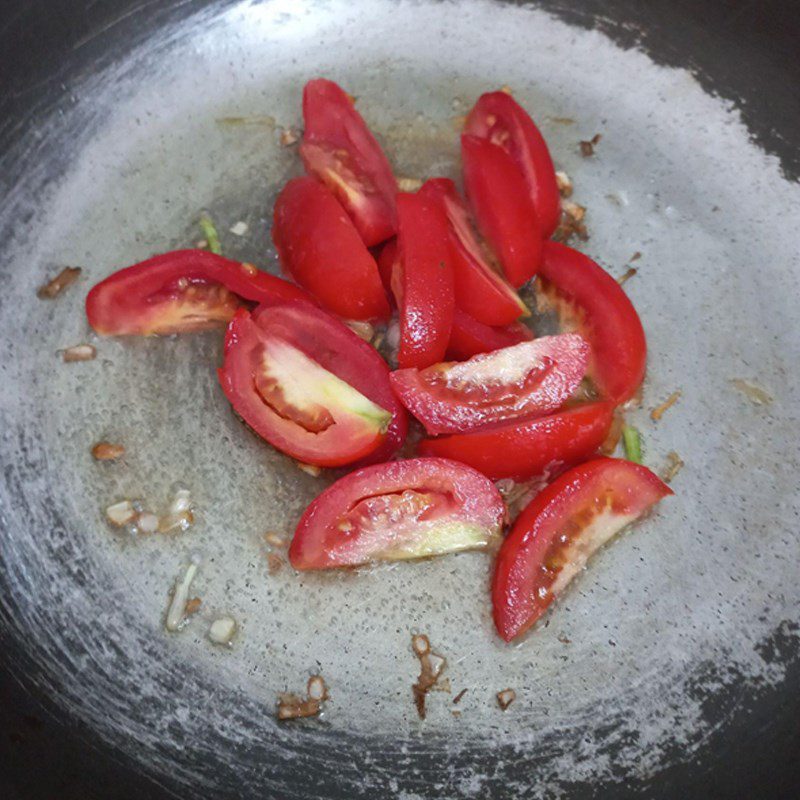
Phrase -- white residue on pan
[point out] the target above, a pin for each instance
(663, 620)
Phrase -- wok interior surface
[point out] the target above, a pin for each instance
(636, 666)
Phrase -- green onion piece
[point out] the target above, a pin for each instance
(210, 232)
(632, 440)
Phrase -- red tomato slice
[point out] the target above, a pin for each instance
(499, 196)
(559, 530)
(179, 292)
(386, 262)
(606, 317)
(321, 249)
(480, 290)
(529, 448)
(524, 380)
(469, 337)
(310, 386)
(340, 150)
(422, 281)
(498, 118)
(397, 511)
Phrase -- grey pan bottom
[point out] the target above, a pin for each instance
(670, 629)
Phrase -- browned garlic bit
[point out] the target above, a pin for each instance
(192, 606)
(629, 273)
(659, 410)
(105, 451)
(587, 148)
(506, 698)
(222, 630)
(121, 514)
(506, 89)
(147, 522)
(459, 696)
(564, 184)
(755, 394)
(571, 222)
(274, 563)
(289, 137)
(292, 706)
(635, 257)
(431, 667)
(363, 330)
(673, 467)
(562, 120)
(409, 184)
(179, 516)
(309, 469)
(53, 288)
(178, 606)
(274, 539)
(614, 435)
(80, 352)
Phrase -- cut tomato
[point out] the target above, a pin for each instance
(340, 150)
(524, 380)
(422, 281)
(603, 313)
(480, 290)
(398, 511)
(559, 530)
(502, 204)
(179, 292)
(498, 118)
(386, 261)
(319, 247)
(310, 386)
(530, 448)
(468, 337)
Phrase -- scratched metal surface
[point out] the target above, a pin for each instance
(666, 630)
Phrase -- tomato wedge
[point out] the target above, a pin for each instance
(502, 204)
(468, 337)
(386, 261)
(559, 530)
(397, 511)
(605, 316)
(321, 249)
(310, 386)
(422, 281)
(340, 150)
(524, 380)
(179, 292)
(480, 290)
(529, 448)
(500, 119)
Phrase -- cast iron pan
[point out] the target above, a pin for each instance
(671, 668)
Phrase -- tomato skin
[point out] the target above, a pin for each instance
(587, 505)
(480, 290)
(335, 348)
(320, 542)
(386, 261)
(321, 249)
(612, 326)
(530, 448)
(424, 285)
(498, 118)
(468, 337)
(141, 299)
(500, 199)
(522, 381)
(340, 150)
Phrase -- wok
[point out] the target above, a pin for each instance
(669, 670)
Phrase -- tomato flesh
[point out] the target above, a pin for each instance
(339, 149)
(398, 511)
(321, 249)
(309, 386)
(498, 118)
(480, 290)
(529, 448)
(500, 199)
(422, 281)
(560, 529)
(468, 337)
(181, 292)
(524, 380)
(606, 317)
